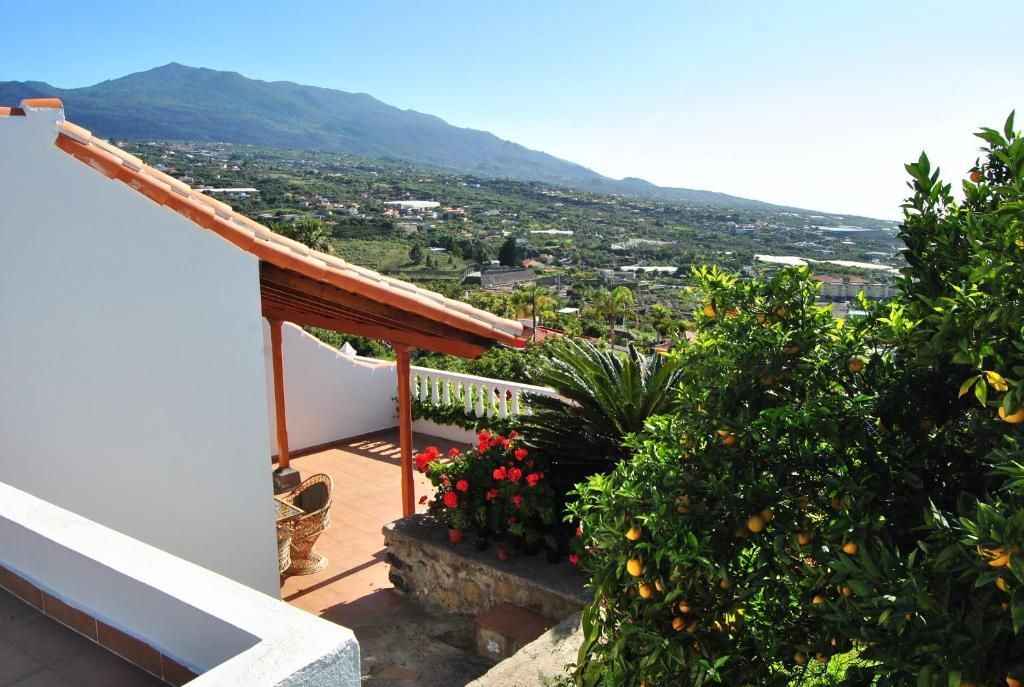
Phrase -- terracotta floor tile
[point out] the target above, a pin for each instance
(47, 677)
(90, 665)
(15, 663)
(367, 495)
(44, 638)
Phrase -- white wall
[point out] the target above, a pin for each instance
(328, 396)
(132, 385)
(204, 621)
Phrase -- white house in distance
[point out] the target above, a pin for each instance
(142, 368)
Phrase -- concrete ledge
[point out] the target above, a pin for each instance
(541, 662)
(199, 622)
(456, 435)
(460, 579)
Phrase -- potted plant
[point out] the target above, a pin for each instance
(452, 502)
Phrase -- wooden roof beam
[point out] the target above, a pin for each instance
(463, 349)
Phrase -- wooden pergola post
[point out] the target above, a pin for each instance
(277, 359)
(405, 429)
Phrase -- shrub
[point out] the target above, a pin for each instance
(756, 449)
(826, 490)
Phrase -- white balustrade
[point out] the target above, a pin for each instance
(478, 396)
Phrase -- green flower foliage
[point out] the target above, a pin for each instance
(830, 501)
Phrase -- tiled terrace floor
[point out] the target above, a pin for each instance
(37, 651)
(367, 495)
(400, 643)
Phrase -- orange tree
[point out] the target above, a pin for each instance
(826, 489)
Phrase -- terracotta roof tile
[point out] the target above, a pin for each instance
(43, 103)
(283, 252)
(12, 112)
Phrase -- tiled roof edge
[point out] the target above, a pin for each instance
(256, 239)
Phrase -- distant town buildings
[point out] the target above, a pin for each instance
(847, 288)
(497, 278)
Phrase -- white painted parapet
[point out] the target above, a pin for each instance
(228, 633)
(331, 395)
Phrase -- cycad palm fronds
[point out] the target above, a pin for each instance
(609, 395)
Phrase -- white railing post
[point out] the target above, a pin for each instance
(502, 403)
(480, 391)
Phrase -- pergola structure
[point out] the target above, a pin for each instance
(300, 285)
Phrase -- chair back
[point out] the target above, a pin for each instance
(314, 497)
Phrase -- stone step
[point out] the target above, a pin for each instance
(505, 629)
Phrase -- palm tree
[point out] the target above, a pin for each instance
(309, 231)
(535, 300)
(607, 396)
(614, 305)
(623, 304)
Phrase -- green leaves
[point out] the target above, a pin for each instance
(907, 457)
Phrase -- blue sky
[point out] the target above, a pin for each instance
(814, 104)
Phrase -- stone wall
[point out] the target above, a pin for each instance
(460, 579)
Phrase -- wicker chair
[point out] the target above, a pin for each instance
(284, 545)
(313, 497)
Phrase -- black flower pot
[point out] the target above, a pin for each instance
(480, 541)
(553, 556)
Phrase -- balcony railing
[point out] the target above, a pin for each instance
(479, 396)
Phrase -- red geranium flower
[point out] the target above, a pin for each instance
(422, 461)
(574, 559)
(532, 479)
(484, 435)
(513, 435)
(579, 531)
(451, 499)
(521, 453)
(529, 464)
(492, 494)
(517, 500)
(499, 474)
(512, 520)
(514, 474)
(462, 485)
(452, 452)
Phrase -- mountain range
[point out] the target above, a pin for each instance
(177, 102)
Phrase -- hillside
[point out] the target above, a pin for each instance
(176, 102)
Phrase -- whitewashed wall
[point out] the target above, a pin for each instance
(202, 620)
(132, 385)
(328, 396)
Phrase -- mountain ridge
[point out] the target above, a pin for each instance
(179, 102)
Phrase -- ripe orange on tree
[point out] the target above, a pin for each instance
(1014, 418)
(755, 523)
